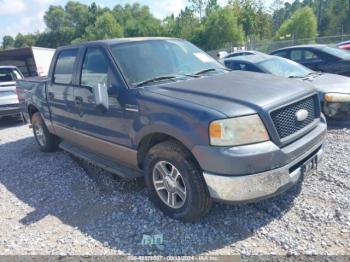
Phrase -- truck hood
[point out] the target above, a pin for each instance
(236, 93)
(326, 83)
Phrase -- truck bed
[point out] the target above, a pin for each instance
(32, 92)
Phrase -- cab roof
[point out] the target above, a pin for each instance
(109, 42)
(301, 46)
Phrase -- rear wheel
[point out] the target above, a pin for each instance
(175, 182)
(46, 141)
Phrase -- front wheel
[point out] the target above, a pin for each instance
(46, 141)
(175, 182)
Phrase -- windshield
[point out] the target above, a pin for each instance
(284, 67)
(337, 52)
(146, 60)
(9, 75)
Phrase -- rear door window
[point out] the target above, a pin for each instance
(228, 64)
(283, 53)
(64, 67)
(296, 55)
(310, 56)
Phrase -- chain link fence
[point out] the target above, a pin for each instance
(268, 46)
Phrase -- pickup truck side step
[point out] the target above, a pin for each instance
(111, 166)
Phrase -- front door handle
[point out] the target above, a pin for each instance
(51, 96)
(78, 100)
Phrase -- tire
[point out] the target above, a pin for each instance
(46, 141)
(177, 160)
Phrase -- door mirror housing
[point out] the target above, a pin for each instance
(101, 97)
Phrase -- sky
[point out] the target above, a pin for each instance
(26, 16)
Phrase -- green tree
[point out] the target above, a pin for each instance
(264, 22)
(7, 42)
(198, 6)
(60, 25)
(54, 39)
(25, 40)
(169, 26)
(186, 24)
(338, 14)
(55, 18)
(302, 25)
(247, 17)
(77, 16)
(212, 6)
(278, 14)
(105, 27)
(221, 27)
(137, 20)
(20, 41)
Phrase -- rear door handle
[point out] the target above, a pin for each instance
(51, 96)
(78, 100)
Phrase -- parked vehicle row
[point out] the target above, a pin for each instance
(333, 90)
(162, 109)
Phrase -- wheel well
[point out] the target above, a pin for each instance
(31, 111)
(153, 139)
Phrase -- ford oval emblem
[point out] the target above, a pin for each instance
(302, 114)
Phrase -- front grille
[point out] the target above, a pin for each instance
(285, 119)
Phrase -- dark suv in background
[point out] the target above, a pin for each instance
(318, 58)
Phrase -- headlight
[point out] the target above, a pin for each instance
(337, 97)
(238, 131)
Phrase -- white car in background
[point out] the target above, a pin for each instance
(9, 104)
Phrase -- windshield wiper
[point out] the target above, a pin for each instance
(311, 75)
(205, 71)
(197, 74)
(156, 79)
(295, 76)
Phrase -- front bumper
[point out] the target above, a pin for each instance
(9, 110)
(262, 185)
(256, 158)
(252, 172)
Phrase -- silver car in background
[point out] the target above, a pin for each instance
(9, 104)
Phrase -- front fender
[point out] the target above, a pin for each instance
(185, 121)
(190, 133)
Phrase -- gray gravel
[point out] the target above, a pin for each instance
(55, 204)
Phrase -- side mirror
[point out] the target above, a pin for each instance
(101, 97)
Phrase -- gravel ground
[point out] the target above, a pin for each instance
(55, 204)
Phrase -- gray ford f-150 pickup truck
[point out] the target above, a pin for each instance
(163, 109)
